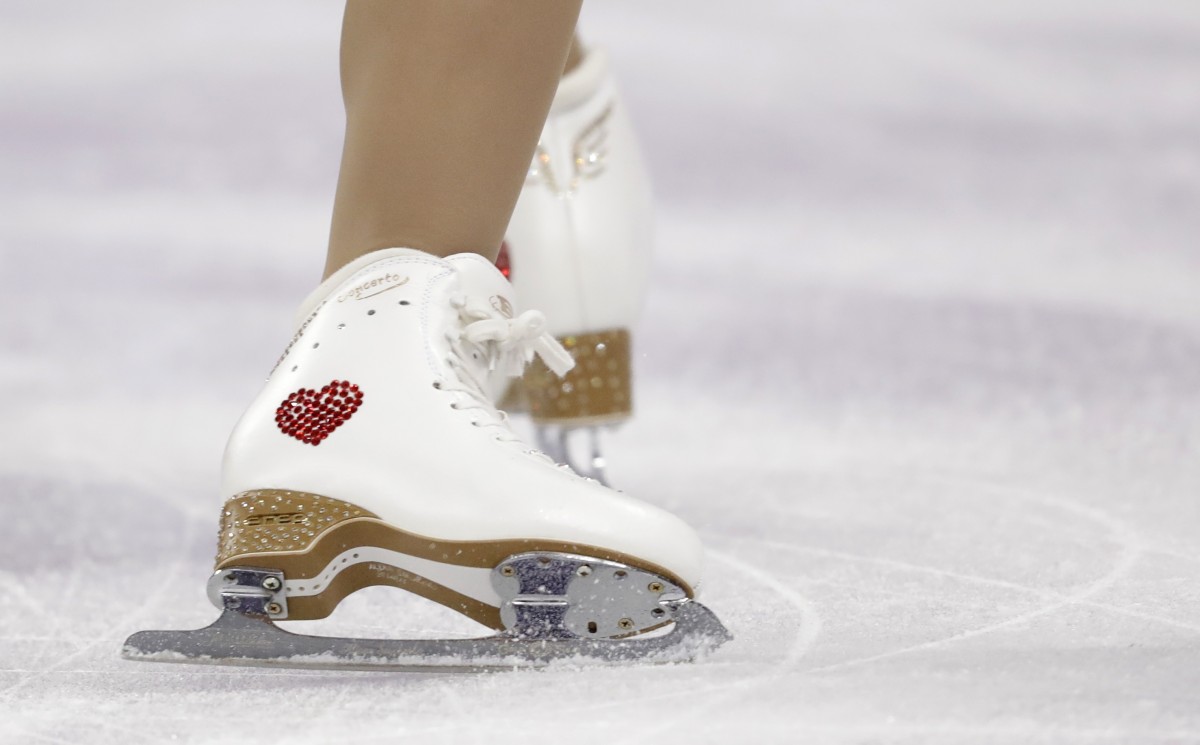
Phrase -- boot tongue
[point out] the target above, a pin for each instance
(487, 293)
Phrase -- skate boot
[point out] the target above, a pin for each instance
(374, 456)
(578, 248)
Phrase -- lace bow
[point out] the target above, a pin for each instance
(513, 342)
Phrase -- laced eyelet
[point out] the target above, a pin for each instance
(437, 384)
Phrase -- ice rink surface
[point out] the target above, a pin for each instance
(921, 362)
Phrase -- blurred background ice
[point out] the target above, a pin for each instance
(921, 362)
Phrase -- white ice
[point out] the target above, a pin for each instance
(921, 362)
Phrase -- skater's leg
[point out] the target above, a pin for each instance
(574, 55)
(444, 104)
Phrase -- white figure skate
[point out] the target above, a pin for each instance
(373, 456)
(578, 248)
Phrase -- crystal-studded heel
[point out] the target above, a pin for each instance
(570, 413)
(597, 391)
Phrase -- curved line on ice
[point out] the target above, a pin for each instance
(976, 579)
(1128, 556)
(810, 630)
(810, 620)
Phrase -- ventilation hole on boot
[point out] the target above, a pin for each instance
(437, 384)
(316, 344)
(404, 302)
(370, 312)
(301, 589)
(316, 587)
(591, 627)
(344, 561)
(341, 326)
(620, 574)
(295, 368)
(356, 556)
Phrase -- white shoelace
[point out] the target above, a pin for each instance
(486, 344)
(515, 341)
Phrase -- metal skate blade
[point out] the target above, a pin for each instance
(239, 639)
(577, 447)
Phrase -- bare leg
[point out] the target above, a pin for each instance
(574, 55)
(444, 104)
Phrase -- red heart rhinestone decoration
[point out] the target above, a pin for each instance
(310, 415)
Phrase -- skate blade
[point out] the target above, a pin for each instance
(243, 639)
(556, 442)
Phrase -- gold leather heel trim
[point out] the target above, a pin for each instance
(598, 390)
(268, 520)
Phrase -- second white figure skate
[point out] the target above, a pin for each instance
(374, 456)
(578, 248)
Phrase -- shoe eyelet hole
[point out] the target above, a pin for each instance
(437, 384)
(404, 302)
(370, 312)
(316, 344)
